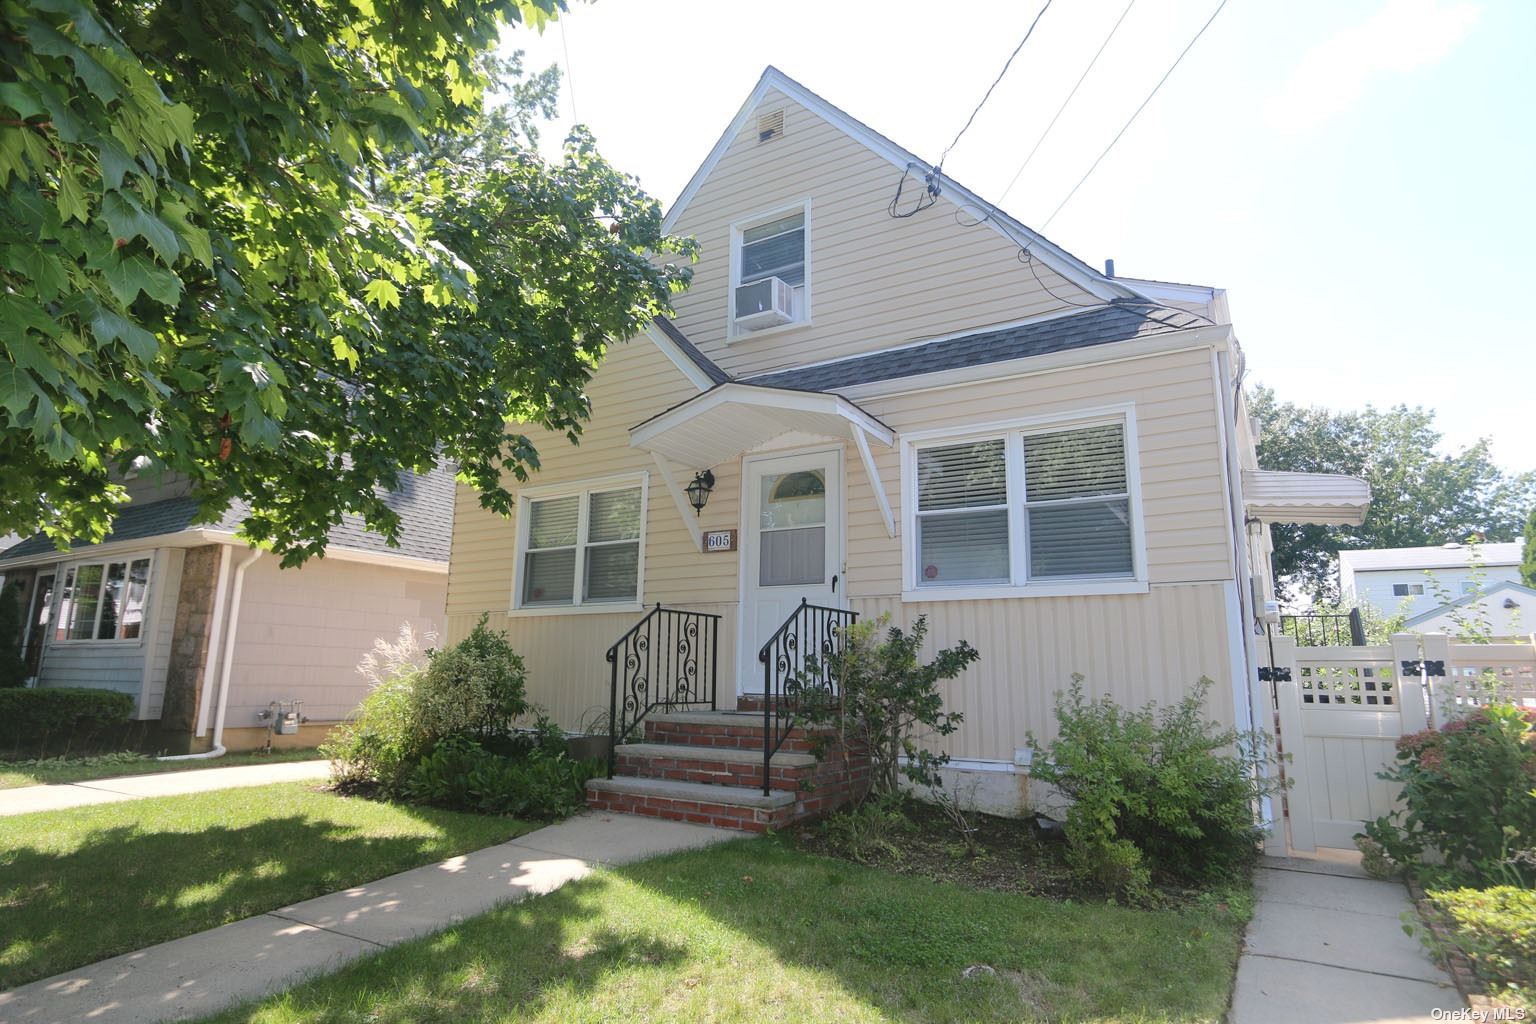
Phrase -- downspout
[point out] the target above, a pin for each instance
(227, 662)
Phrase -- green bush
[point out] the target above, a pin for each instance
(1467, 813)
(866, 831)
(1152, 793)
(463, 775)
(380, 742)
(475, 688)
(13, 669)
(61, 719)
(1496, 929)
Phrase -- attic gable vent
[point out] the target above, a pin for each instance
(770, 126)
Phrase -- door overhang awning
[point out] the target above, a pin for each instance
(1324, 499)
(731, 419)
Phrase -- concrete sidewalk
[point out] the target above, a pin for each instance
(204, 973)
(1326, 945)
(61, 795)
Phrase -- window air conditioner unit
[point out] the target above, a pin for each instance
(765, 303)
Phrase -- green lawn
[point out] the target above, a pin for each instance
(84, 884)
(756, 931)
(16, 774)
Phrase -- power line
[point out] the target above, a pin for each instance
(988, 95)
(570, 82)
(1178, 60)
(1062, 109)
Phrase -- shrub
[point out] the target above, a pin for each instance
(1152, 792)
(1496, 929)
(1467, 813)
(380, 742)
(37, 720)
(864, 832)
(887, 699)
(461, 774)
(13, 669)
(474, 688)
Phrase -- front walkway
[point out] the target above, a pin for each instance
(61, 795)
(1327, 946)
(204, 973)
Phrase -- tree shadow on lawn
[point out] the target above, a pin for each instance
(126, 887)
(755, 930)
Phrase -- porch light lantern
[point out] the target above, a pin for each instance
(698, 491)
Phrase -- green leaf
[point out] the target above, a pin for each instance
(116, 162)
(108, 327)
(26, 352)
(382, 293)
(45, 39)
(128, 219)
(195, 238)
(17, 389)
(71, 199)
(341, 350)
(20, 99)
(128, 277)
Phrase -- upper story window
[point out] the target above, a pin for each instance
(104, 600)
(770, 270)
(1407, 589)
(582, 548)
(1024, 511)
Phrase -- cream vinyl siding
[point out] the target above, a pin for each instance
(1183, 503)
(875, 281)
(302, 631)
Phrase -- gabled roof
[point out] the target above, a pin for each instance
(1503, 586)
(1116, 322)
(1445, 556)
(689, 351)
(424, 503)
(1058, 259)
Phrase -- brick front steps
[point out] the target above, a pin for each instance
(706, 767)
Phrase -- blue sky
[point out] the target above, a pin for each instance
(1357, 173)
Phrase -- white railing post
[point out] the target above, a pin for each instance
(1297, 797)
(1412, 693)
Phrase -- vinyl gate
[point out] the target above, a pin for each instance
(1341, 710)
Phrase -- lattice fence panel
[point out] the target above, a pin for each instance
(1353, 685)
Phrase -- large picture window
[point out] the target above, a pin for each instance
(104, 600)
(1024, 508)
(582, 548)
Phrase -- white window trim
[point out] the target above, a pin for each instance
(61, 573)
(581, 488)
(1136, 583)
(738, 227)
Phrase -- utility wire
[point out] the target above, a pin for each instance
(1062, 109)
(1137, 113)
(995, 81)
(570, 82)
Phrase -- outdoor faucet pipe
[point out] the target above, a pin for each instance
(226, 664)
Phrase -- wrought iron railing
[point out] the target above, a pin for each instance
(669, 660)
(799, 664)
(1325, 629)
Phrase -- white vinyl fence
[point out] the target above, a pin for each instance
(1339, 712)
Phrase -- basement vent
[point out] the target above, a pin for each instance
(770, 126)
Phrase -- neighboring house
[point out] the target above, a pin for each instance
(941, 415)
(1397, 580)
(1507, 611)
(210, 636)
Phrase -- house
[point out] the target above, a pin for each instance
(1507, 611)
(881, 399)
(1416, 581)
(216, 643)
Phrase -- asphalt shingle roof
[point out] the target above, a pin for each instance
(1121, 321)
(703, 362)
(424, 503)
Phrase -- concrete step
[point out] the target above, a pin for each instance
(737, 807)
(721, 729)
(725, 766)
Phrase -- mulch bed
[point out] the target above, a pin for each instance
(1011, 854)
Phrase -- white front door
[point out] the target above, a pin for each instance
(792, 507)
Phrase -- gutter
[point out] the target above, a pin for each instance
(227, 662)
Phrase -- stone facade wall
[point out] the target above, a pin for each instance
(189, 645)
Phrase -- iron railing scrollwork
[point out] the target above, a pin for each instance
(799, 664)
(667, 661)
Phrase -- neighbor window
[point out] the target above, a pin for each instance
(1028, 506)
(103, 600)
(1407, 589)
(769, 282)
(582, 548)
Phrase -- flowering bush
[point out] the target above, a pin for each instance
(1468, 811)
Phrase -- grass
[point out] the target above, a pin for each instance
(54, 770)
(80, 885)
(758, 931)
